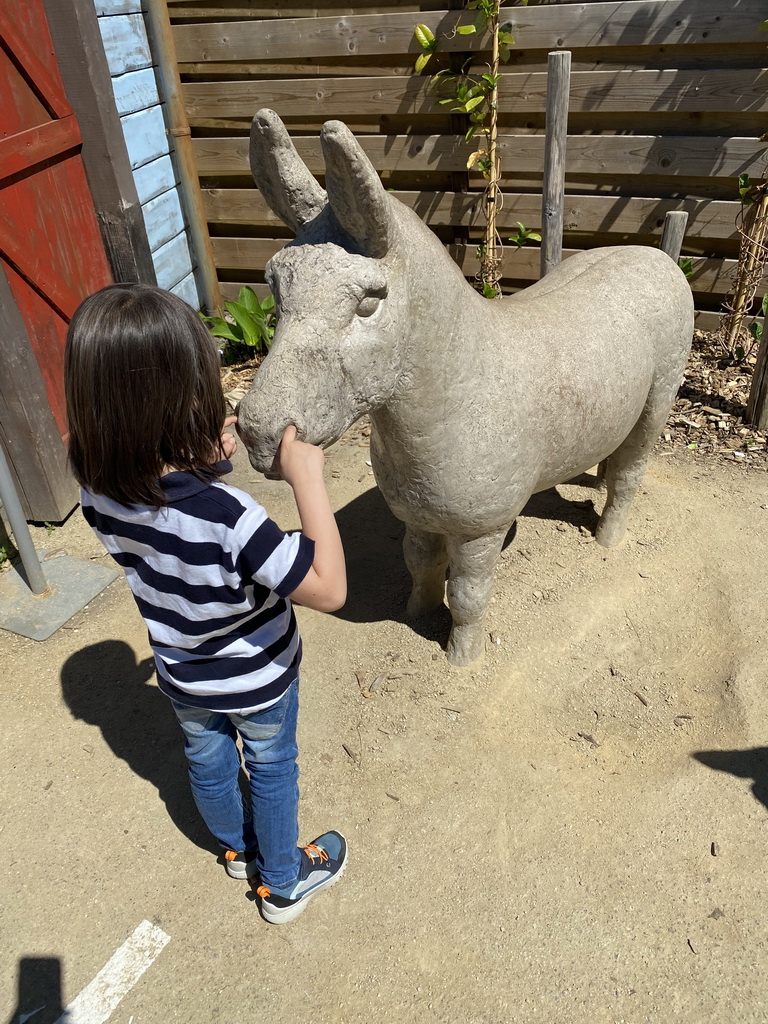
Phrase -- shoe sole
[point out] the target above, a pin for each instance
(240, 873)
(282, 915)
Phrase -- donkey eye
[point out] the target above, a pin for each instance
(368, 305)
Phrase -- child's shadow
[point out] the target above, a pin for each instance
(104, 686)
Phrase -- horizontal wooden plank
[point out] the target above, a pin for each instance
(125, 43)
(704, 320)
(592, 213)
(134, 91)
(238, 10)
(691, 156)
(145, 136)
(155, 177)
(633, 23)
(250, 255)
(24, 150)
(163, 218)
(593, 91)
(172, 261)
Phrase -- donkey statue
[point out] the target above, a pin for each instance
(474, 404)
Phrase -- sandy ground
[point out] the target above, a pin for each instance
(573, 830)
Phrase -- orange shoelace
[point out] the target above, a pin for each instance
(312, 851)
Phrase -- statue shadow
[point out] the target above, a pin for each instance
(378, 582)
(105, 686)
(745, 764)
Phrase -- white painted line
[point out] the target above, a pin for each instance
(118, 976)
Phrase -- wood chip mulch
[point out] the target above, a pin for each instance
(707, 418)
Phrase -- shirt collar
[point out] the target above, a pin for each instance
(182, 484)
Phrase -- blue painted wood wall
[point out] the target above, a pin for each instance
(149, 145)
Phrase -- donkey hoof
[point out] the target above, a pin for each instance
(465, 645)
(609, 535)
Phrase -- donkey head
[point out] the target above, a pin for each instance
(339, 293)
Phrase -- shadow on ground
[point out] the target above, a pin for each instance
(39, 990)
(745, 764)
(105, 686)
(378, 581)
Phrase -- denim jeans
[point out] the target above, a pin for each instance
(269, 751)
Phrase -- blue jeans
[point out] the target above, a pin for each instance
(270, 752)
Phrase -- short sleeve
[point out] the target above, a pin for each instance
(276, 560)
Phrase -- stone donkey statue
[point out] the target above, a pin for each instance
(474, 404)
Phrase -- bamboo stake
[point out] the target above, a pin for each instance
(757, 404)
(553, 187)
(164, 51)
(490, 264)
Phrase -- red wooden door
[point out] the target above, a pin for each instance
(50, 245)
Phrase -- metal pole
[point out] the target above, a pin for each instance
(553, 188)
(21, 535)
(675, 222)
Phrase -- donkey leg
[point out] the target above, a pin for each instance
(427, 560)
(627, 465)
(469, 587)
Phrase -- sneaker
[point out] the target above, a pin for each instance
(241, 865)
(322, 865)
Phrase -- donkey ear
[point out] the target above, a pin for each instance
(355, 193)
(281, 175)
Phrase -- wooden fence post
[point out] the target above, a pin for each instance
(164, 51)
(673, 233)
(553, 188)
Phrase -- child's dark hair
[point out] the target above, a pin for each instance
(141, 376)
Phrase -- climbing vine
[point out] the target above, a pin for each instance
(476, 96)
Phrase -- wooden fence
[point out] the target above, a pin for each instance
(668, 101)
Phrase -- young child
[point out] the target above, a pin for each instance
(212, 575)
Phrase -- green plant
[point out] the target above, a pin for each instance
(49, 528)
(686, 265)
(7, 552)
(250, 324)
(523, 235)
(476, 96)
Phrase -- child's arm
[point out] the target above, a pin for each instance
(324, 588)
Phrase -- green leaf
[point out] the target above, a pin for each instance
(474, 102)
(247, 297)
(763, 27)
(490, 292)
(245, 321)
(222, 329)
(421, 61)
(466, 30)
(534, 236)
(268, 304)
(424, 37)
(506, 38)
(504, 53)
(764, 305)
(471, 132)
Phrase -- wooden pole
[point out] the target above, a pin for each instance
(673, 233)
(553, 189)
(164, 51)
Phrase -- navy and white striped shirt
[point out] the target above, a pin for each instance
(211, 574)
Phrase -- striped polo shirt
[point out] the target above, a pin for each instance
(211, 574)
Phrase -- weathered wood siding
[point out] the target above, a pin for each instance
(668, 101)
(149, 147)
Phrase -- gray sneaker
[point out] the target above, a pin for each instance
(322, 864)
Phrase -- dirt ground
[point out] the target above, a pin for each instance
(573, 830)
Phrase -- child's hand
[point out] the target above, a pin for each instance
(228, 442)
(296, 461)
